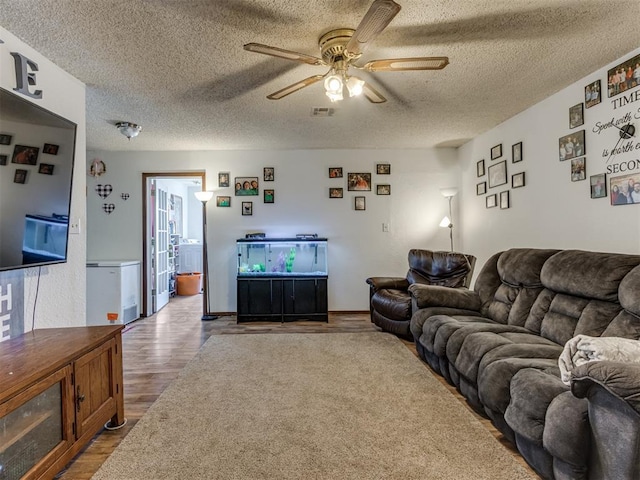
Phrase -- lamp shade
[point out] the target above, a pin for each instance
(449, 192)
(446, 223)
(204, 195)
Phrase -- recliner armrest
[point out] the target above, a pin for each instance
(398, 283)
(619, 379)
(437, 296)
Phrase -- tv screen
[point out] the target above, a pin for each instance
(37, 150)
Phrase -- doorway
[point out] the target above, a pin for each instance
(172, 218)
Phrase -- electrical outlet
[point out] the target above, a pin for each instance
(74, 226)
(385, 227)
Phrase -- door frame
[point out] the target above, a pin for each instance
(145, 240)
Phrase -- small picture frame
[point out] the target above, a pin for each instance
(46, 168)
(223, 179)
(571, 146)
(491, 201)
(359, 182)
(246, 186)
(5, 139)
(383, 169)
(481, 188)
(498, 174)
(247, 208)
(25, 155)
(335, 172)
(335, 192)
(268, 174)
(517, 180)
(360, 203)
(621, 189)
(598, 185)
(504, 200)
(592, 94)
(20, 176)
(4, 159)
(268, 195)
(480, 171)
(384, 189)
(223, 201)
(578, 169)
(496, 152)
(50, 149)
(576, 115)
(621, 78)
(516, 152)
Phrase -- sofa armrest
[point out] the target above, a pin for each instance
(398, 283)
(620, 379)
(425, 296)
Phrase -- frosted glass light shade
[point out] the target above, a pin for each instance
(203, 196)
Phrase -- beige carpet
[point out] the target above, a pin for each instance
(308, 406)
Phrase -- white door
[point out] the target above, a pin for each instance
(161, 237)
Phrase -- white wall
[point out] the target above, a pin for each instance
(62, 288)
(358, 248)
(551, 211)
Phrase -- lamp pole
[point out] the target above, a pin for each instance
(450, 224)
(204, 197)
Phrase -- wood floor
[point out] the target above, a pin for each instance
(155, 349)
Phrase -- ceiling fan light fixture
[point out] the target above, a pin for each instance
(333, 84)
(355, 86)
(334, 97)
(128, 129)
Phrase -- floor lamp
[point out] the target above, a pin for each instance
(204, 197)
(447, 222)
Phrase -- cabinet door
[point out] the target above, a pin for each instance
(305, 297)
(36, 427)
(95, 388)
(259, 297)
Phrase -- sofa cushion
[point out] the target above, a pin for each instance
(438, 268)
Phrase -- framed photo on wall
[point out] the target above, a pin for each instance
(359, 182)
(516, 152)
(576, 115)
(598, 185)
(578, 169)
(504, 199)
(622, 77)
(50, 149)
(269, 196)
(517, 180)
(246, 186)
(3, 159)
(496, 152)
(383, 189)
(268, 174)
(360, 203)
(491, 201)
(592, 94)
(20, 176)
(480, 171)
(335, 193)
(383, 169)
(223, 201)
(572, 146)
(624, 188)
(223, 179)
(5, 139)
(335, 172)
(498, 174)
(247, 208)
(46, 168)
(481, 188)
(25, 155)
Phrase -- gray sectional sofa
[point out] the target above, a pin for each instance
(499, 345)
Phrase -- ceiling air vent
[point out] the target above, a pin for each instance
(322, 112)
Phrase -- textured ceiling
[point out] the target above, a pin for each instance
(177, 67)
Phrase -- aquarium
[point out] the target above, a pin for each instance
(282, 257)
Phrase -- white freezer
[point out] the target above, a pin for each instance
(113, 292)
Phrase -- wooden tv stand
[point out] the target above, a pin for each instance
(58, 388)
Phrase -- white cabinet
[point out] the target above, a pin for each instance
(190, 258)
(113, 292)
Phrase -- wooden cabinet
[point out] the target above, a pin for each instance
(282, 299)
(58, 388)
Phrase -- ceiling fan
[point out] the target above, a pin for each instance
(341, 48)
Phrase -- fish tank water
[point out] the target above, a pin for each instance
(282, 257)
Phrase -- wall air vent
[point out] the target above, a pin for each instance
(322, 112)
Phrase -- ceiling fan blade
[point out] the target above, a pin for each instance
(372, 94)
(399, 64)
(281, 53)
(375, 21)
(295, 87)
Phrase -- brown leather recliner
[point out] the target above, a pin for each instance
(390, 301)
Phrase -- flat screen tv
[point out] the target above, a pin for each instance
(37, 151)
